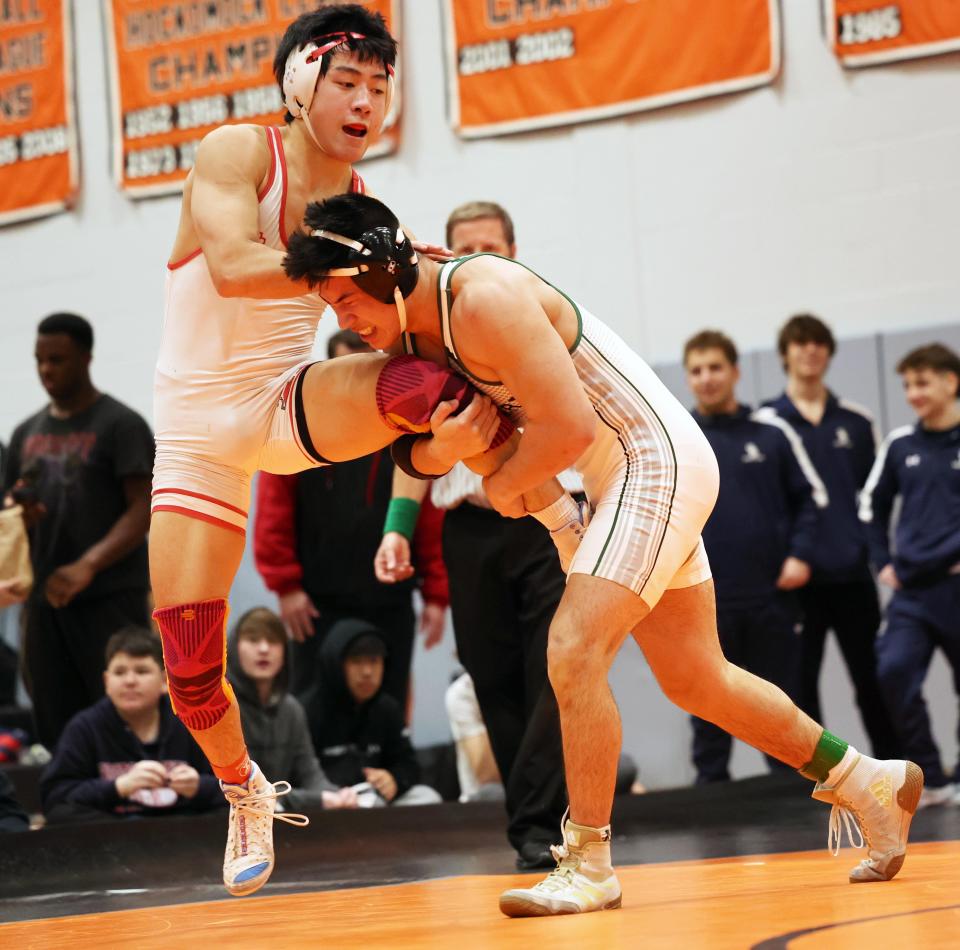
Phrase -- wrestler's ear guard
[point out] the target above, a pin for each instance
(302, 73)
(382, 263)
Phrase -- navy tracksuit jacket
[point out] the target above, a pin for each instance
(841, 595)
(766, 511)
(922, 468)
(842, 448)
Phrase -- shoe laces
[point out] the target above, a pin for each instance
(562, 876)
(568, 863)
(843, 819)
(261, 804)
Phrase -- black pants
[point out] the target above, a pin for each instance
(505, 584)
(852, 611)
(396, 623)
(64, 654)
(762, 639)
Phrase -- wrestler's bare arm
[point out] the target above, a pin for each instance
(501, 325)
(231, 163)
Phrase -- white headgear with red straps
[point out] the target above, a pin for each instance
(302, 72)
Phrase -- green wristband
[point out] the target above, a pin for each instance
(402, 517)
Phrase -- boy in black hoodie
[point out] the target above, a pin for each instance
(357, 729)
(127, 753)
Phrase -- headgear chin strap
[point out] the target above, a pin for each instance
(302, 73)
(382, 263)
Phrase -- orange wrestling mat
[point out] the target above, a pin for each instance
(799, 901)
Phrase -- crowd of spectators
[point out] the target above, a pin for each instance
(803, 530)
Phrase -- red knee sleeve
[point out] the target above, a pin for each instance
(194, 653)
(409, 389)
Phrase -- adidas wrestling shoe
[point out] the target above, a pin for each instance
(248, 860)
(877, 800)
(582, 881)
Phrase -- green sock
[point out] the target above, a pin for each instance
(828, 753)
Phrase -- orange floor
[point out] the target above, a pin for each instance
(733, 903)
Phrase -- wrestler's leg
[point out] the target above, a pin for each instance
(679, 640)
(340, 402)
(193, 563)
(589, 628)
(345, 420)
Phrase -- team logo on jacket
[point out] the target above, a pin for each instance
(841, 439)
(912, 461)
(751, 453)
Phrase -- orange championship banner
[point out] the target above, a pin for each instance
(180, 68)
(869, 32)
(514, 65)
(38, 133)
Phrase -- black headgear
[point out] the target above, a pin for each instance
(381, 262)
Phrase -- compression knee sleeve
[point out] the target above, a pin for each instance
(409, 389)
(194, 653)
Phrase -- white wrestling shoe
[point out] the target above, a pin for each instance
(579, 883)
(248, 860)
(567, 539)
(877, 799)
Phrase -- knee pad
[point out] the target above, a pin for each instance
(409, 389)
(194, 653)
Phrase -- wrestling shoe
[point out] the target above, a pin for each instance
(567, 539)
(248, 859)
(582, 881)
(877, 799)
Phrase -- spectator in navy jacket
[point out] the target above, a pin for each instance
(920, 464)
(128, 754)
(315, 536)
(841, 596)
(760, 537)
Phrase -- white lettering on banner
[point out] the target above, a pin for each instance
(188, 154)
(153, 120)
(148, 162)
(261, 100)
(526, 50)
(9, 150)
(485, 57)
(210, 110)
(544, 47)
(870, 26)
(39, 143)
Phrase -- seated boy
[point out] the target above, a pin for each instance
(358, 730)
(127, 753)
(274, 724)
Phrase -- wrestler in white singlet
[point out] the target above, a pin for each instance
(227, 379)
(650, 473)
